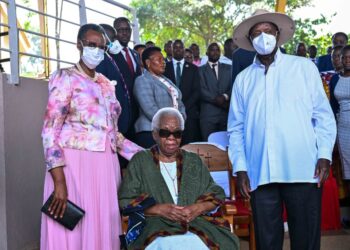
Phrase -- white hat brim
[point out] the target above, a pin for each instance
(284, 23)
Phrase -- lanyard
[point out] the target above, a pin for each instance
(127, 95)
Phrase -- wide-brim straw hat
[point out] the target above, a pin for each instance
(285, 24)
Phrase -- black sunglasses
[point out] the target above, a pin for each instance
(164, 133)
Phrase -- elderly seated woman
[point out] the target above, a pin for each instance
(168, 194)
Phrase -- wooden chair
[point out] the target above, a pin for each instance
(236, 210)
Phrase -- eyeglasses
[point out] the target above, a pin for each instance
(93, 45)
(164, 133)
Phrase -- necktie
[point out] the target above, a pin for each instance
(213, 68)
(128, 60)
(178, 74)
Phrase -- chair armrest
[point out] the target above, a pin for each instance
(229, 209)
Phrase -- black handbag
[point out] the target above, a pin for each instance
(72, 215)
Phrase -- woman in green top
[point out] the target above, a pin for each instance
(183, 191)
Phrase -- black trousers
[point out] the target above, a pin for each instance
(303, 204)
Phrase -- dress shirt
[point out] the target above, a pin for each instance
(314, 60)
(197, 62)
(182, 62)
(216, 68)
(132, 57)
(280, 122)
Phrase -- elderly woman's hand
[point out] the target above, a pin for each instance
(168, 211)
(197, 209)
(192, 211)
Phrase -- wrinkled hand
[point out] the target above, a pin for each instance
(171, 212)
(322, 171)
(59, 202)
(243, 184)
(192, 211)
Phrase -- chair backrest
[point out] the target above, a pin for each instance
(215, 159)
(220, 138)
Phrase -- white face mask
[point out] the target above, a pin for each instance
(115, 47)
(92, 56)
(264, 44)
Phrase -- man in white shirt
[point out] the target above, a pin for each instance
(282, 133)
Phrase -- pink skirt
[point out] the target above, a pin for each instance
(92, 180)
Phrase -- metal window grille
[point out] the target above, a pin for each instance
(14, 31)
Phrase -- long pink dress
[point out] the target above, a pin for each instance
(92, 180)
(80, 133)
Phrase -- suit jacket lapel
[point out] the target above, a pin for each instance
(137, 61)
(213, 83)
(184, 75)
(157, 81)
(219, 72)
(171, 72)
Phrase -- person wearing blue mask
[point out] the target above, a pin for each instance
(110, 69)
(81, 139)
(282, 132)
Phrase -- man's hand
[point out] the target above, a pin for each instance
(220, 100)
(168, 211)
(243, 184)
(322, 171)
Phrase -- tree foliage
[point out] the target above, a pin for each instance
(305, 32)
(206, 21)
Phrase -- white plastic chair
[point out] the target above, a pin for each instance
(220, 138)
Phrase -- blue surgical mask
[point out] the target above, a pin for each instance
(264, 44)
(92, 56)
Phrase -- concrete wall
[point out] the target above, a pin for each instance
(22, 166)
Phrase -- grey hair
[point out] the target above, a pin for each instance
(167, 112)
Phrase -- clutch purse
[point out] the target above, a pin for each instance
(72, 215)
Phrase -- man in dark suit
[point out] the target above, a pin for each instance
(241, 59)
(109, 68)
(128, 62)
(185, 75)
(324, 62)
(168, 51)
(216, 86)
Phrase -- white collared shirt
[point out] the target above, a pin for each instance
(223, 59)
(131, 55)
(280, 123)
(182, 62)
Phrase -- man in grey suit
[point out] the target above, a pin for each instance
(216, 86)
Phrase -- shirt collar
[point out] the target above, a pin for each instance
(278, 57)
(182, 61)
(211, 63)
